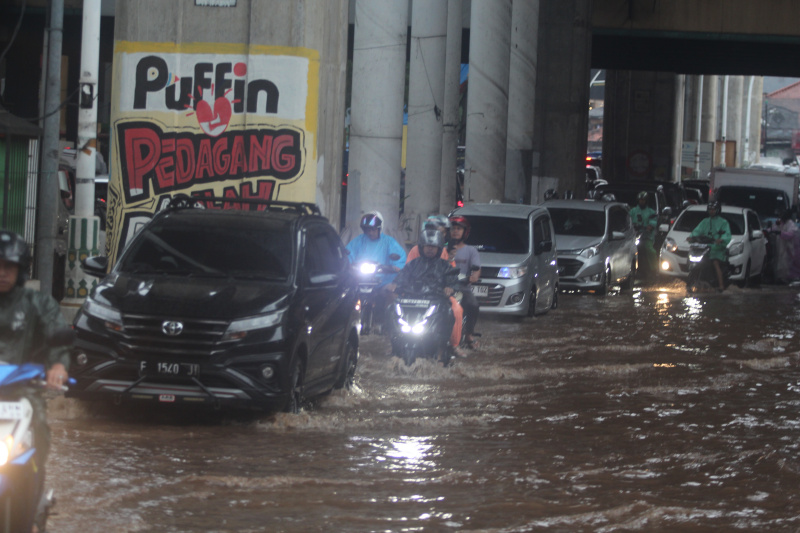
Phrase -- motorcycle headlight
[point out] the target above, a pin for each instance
(239, 329)
(430, 311)
(670, 245)
(419, 329)
(589, 252)
(368, 268)
(512, 272)
(735, 248)
(5, 450)
(110, 316)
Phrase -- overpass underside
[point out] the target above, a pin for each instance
(696, 53)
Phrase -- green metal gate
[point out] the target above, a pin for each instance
(13, 182)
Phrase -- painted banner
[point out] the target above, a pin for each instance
(209, 120)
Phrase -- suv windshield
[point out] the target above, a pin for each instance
(216, 246)
(578, 222)
(768, 203)
(500, 235)
(690, 219)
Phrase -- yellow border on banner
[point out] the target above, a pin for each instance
(312, 107)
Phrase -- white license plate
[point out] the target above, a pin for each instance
(480, 290)
(11, 411)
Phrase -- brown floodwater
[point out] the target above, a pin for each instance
(644, 411)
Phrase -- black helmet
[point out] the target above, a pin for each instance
(713, 204)
(373, 219)
(437, 221)
(14, 249)
(642, 195)
(431, 237)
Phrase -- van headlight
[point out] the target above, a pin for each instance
(735, 248)
(670, 245)
(512, 272)
(239, 329)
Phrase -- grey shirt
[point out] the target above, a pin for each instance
(466, 257)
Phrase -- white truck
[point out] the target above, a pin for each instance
(769, 193)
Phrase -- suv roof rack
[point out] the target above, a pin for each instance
(183, 201)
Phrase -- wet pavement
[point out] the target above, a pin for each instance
(645, 411)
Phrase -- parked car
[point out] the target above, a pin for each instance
(596, 244)
(518, 258)
(747, 250)
(702, 185)
(253, 308)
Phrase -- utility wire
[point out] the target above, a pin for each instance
(16, 31)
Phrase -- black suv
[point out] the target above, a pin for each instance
(254, 308)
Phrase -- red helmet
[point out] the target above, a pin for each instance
(458, 220)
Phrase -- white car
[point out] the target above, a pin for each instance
(747, 250)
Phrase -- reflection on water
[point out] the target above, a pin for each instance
(645, 411)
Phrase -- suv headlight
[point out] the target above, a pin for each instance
(512, 272)
(591, 251)
(670, 245)
(110, 316)
(238, 329)
(735, 248)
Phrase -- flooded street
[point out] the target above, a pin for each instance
(650, 411)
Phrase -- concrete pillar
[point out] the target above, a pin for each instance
(677, 126)
(753, 110)
(708, 132)
(487, 102)
(562, 96)
(376, 112)
(84, 227)
(452, 86)
(425, 101)
(735, 125)
(521, 98)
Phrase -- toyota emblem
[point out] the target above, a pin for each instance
(172, 328)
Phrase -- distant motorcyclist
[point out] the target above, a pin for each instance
(372, 245)
(430, 274)
(437, 222)
(717, 228)
(468, 261)
(377, 247)
(645, 221)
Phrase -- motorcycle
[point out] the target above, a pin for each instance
(370, 277)
(422, 326)
(701, 270)
(23, 501)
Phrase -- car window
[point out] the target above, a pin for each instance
(753, 222)
(502, 235)
(578, 222)
(246, 248)
(541, 230)
(619, 219)
(323, 254)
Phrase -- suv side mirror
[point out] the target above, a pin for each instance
(96, 266)
(322, 280)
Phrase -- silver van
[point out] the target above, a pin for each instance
(516, 243)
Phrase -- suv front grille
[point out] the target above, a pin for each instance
(143, 337)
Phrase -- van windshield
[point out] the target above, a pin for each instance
(501, 235)
(578, 222)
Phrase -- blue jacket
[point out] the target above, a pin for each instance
(362, 248)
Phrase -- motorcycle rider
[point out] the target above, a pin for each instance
(437, 222)
(717, 228)
(429, 273)
(27, 317)
(373, 245)
(467, 259)
(645, 220)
